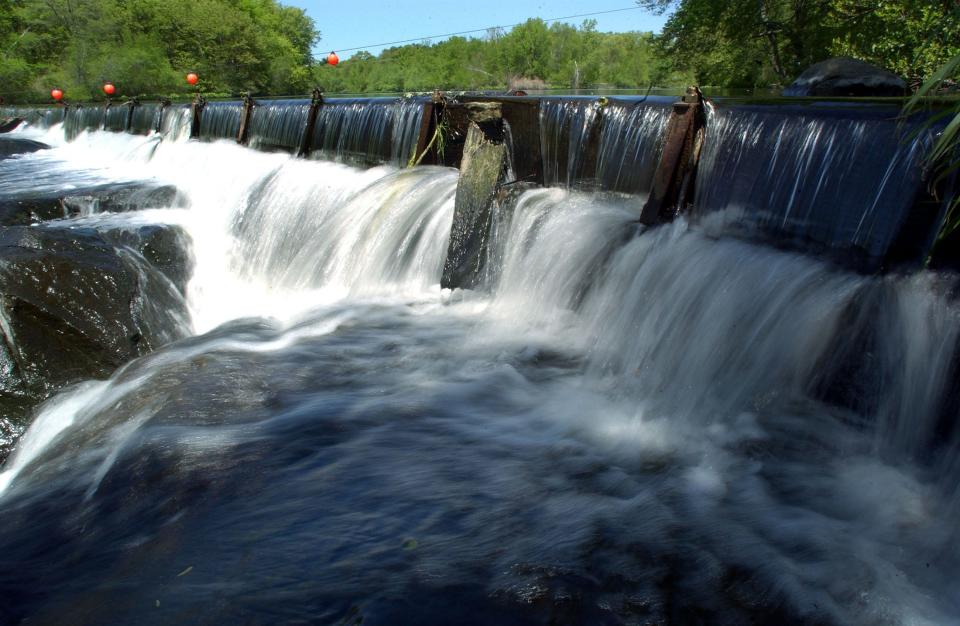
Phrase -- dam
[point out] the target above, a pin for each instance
(495, 359)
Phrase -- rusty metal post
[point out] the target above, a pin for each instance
(164, 105)
(244, 132)
(673, 180)
(306, 142)
(133, 104)
(196, 110)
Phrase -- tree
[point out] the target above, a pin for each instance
(145, 47)
(760, 42)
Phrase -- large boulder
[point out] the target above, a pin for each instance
(12, 146)
(846, 77)
(76, 305)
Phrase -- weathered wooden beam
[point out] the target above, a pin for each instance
(456, 118)
(428, 124)
(244, 132)
(306, 142)
(196, 110)
(483, 168)
(673, 182)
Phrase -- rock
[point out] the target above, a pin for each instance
(119, 199)
(846, 77)
(75, 306)
(114, 198)
(165, 247)
(8, 124)
(12, 146)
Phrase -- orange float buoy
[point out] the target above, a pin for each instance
(332, 58)
(192, 78)
(109, 89)
(56, 94)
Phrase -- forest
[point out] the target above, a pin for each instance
(264, 47)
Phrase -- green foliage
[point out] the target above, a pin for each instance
(559, 55)
(747, 43)
(146, 46)
(944, 158)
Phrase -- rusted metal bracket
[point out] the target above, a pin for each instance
(163, 111)
(106, 112)
(674, 180)
(306, 142)
(133, 103)
(248, 104)
(196, 110)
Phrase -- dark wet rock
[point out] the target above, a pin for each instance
(119, 199)
(165, 247)
(9, 124)
(75, 306)
(23, 209)
(846, 77)
(12, 146)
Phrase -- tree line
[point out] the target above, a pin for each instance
(146, 47)
(264, 47)
(748, 43)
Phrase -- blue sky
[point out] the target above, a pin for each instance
(352, 23)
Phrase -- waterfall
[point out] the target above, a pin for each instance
(79, 119)
(614, 147)
(840, 180)
(43, 117)
(146, 118)
(278, 124)
(220, 120)
(625, 424)
(175, 122)
(630, 145)
(367, 131)
(565, 129)
(115, 118)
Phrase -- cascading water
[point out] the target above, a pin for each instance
(838, 178)
(82, 118)
(565, 128)
(39, 117)
(630, 145)
(115, 118)
(146, 118)
(367, 131)
(175, 122)
(278, 123)
(614, 147)
(669, 426)
(220, 120)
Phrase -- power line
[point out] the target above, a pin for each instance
(480, 30)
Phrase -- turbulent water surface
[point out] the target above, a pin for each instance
(669, 426)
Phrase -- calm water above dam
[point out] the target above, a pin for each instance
(672, 426)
